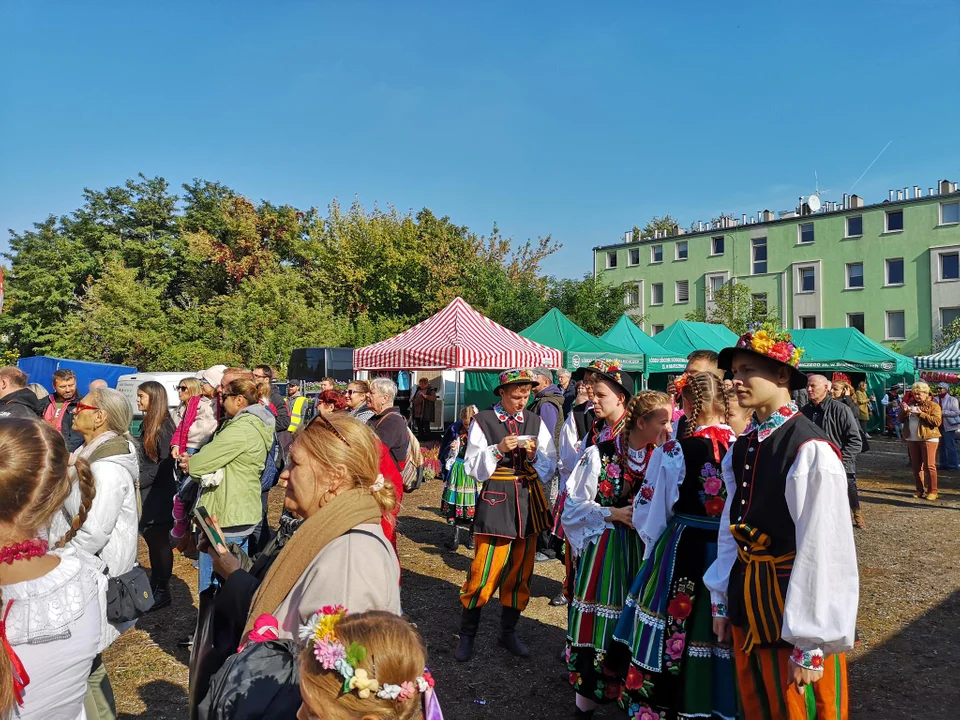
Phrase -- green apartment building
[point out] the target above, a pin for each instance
(891, 270)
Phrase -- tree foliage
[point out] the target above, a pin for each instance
(947, 336)
(142, 276)
(735, 307)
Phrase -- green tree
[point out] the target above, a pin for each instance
(590, 303)
(735, 307)
(947, 336)
(666, 225)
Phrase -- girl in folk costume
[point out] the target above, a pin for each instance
(459, 501)
(597, 520)
(676, 669)
(785, 579)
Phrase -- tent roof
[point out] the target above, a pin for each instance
(458, 337)
(685, 336)
(580, 347)
(946, 359)
(847, 349)
(626, 334)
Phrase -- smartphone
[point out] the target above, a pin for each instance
(201, 515)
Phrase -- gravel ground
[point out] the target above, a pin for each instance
(909, 619)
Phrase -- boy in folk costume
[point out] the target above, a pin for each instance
(785, 579)
(510, 452)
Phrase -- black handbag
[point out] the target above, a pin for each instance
(129, 595)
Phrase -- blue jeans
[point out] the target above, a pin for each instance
(947, 452)
(206, 562)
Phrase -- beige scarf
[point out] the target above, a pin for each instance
(340, 515)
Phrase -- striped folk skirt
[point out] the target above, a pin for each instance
(459, 502)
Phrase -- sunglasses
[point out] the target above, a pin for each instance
(226, 395)
(80, 406)
(327, 425)
(351, 392)
(182, 388)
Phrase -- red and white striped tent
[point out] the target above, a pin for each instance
(456, 338)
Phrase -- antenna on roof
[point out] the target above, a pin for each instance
(870, 166)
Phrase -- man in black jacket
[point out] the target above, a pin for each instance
(837, 420)
(16, 399)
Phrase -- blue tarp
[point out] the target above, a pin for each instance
(40, 369)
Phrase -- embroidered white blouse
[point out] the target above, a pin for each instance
(481, 457)
(820, 610)
(665, 474)
(568, 451)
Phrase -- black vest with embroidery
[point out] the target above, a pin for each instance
(495, 431)
(615, 491)
(694, 498)
(760, 471)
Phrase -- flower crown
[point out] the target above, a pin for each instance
(321, 632)
(607, 367)
(774, 344)
(515, 376)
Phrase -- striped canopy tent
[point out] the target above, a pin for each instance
(456, 338)
(946, 359)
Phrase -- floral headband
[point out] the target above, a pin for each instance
(517, 376)
(774, 344)
(607, 367)
(681, 382)
(330, 652)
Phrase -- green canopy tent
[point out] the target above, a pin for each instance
(579, 347)
(657, 359)
(847, 350)
(685, 336)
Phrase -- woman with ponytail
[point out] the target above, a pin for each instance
(53, 595)
(665, 652)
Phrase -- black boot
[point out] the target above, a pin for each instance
(161, 596)
(469, 623)
(470, 542)
(508, 633)
(454, 542)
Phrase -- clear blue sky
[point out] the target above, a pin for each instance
(571, 119)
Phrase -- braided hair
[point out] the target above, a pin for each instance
(642, 404)
(704, 390)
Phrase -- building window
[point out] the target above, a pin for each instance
(759, 303)
(682, 250)
(683, 291)
(716, 245)
(716, 282)
(656, 293)
(656, 254)
(631, 298)
(894, 220)
(657, 329)
(949, 315)
(895, 325)
(806, 280)
(855, 320)
(634, 257)
(808, 322)
(855, 226)
(759, 255)
(855, 276)
(950, 266)
(895, 271)
(950, 213)
(611, 260)
(805, 233)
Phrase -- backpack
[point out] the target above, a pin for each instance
(412, 473)
(273, 466)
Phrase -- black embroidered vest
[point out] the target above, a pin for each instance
(495, 431)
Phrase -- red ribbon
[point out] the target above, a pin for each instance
(718, 436)
(20, 677)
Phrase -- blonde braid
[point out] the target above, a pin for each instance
(642, 404)
(697, 404)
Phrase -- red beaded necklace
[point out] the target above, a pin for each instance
(23, 551)
(634, 477)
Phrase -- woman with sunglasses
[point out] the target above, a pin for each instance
(228, 468)
(357, 393)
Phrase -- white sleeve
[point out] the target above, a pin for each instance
(452, 453)
(717, 577)
(820, 610)
(583, 518)
(545, 460)
(665, 473)
(481, 458)
(569, 451)
(109, 482)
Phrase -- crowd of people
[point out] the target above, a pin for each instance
(706, 533)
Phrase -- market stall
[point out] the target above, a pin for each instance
(658, 361)
(685, 336)
(947, 359)
(579, 347)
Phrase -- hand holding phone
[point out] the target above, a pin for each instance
(211, 530)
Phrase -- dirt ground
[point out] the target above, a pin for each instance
(909, 617)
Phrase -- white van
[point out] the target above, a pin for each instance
(128, 384)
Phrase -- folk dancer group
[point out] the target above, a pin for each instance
(710, 574)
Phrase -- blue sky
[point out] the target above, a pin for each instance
(571, 119)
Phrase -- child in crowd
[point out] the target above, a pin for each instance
(459, 501)
(893, 418)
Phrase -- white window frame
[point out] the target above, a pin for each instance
(630, 252)
(886, 221)
(753, 256)
(800, 322)
(940, 277)
(613, 254)
(656, 331)
(886, 273)
(676, 250)
(955, 222)
(713, 249)
(653, 301)
(653, 259)
(863, 276)
(709, 281)
(846, 226)
(861, 314)
(766, 300)
(886, 325)
(800, 290)
(629, 290)
(676, 292)
(800, 227)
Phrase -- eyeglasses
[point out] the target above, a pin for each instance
(80, 406)
(226, 395)
(327, 425)
(182, 388)
(351, 392)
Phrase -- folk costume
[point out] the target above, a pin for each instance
(786, 567)
(511, 511)
(665, 650)
(459, 500)
(607, 555)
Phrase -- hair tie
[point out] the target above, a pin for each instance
(378, 484)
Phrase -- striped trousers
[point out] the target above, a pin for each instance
(764, 684)
(500, 563)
